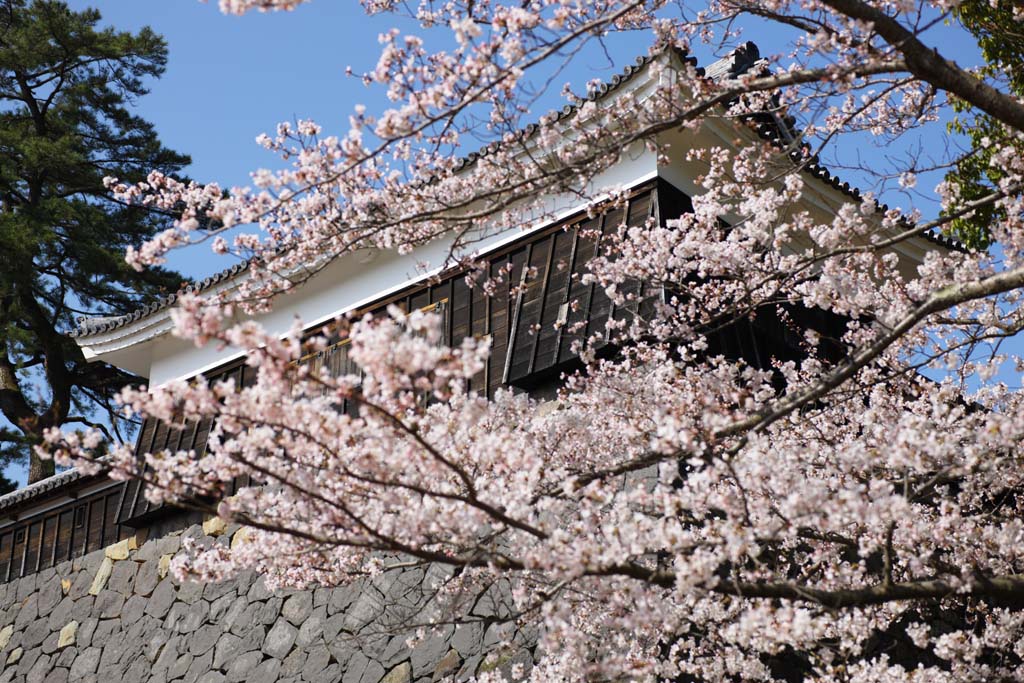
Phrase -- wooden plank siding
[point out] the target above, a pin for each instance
(542, 310)
(71, 530)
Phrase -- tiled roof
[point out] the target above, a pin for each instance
(778, 129)
(40, 488)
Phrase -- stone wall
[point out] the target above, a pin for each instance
(116, 615)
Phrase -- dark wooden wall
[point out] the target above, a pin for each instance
(541, 310)
(71, 530)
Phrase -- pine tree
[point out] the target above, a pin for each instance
(66, 87)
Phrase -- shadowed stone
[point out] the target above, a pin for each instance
(297, 608)
(280, 639)
(35, 634)
(28, 613)
(266, 672)
(373, 673)
(161, 600)
(49, 595)
(108, 605)
(122, 577)
(448, 665)
(86, 662)
(57, 676)
(180, 667)
(204, 640)
(133, 609)
(227, 648)
(242, 666)
(293, 663)
(37, 672)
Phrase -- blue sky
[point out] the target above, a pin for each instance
(229, 79)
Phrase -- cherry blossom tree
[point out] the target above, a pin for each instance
(674, 514)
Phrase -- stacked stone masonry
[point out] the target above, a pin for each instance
(117, 615)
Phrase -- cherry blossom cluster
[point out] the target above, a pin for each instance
(674, 513)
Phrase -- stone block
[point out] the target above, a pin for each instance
(86, 631)
(119, 550)
(57, 676)
(298, 607)
(133, 609)
(267, 672)
(163, 567)
(214, 526)
(15, 655)
(227, 647)
(50, 594)
(5, 635)
(67, 635)
(108, 604)
(36, 633)
(400, 674)
(204, 640)
(122, 577)
(317, 660)
(448, 665)
(373, 672)
(161, 600)
(200, 665)
(99, 581)
(280, 639)
(85, 663)
(242, 666)
(38, 670)
(181, 666)
(293, 663)
(28, 613)
(212, 677)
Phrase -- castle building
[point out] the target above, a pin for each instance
(84, 590)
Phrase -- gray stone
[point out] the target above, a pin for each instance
(155, 647)
(105, 629)
(428, 653)
(298, 607)
(310, 630)
(212, 677)
(138, 670)
(80, 586)
(233, 612)
(321, 596)
(258, 591)
(242, 666)
(185, 618)
(373, 673)
(468, 638)
(83, 608)
(29, 659)
(28, 613)
(293, 663)
(161, 600)
(341, 598)
(333, 626)
(316, 661)
(499, 634)
(355, 668)
(227, 648)
(49, 595)
(66, 657)
(266, 672)
(35, 633)
(85, 632)
(37, 673)
(133, 609)
(280, 639)
(269, 611)
(114, 651)
(169, 654)
(365, 609)
(331, 674)
(86, 662)
(204, 640)
(200, 665)
(122, 577)
(57, 676)
(180, 667)
(189, 592)
(219, 607)
(148, 577)
(26, 586)
(108, 604)
(218, 589)
(245, 620)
